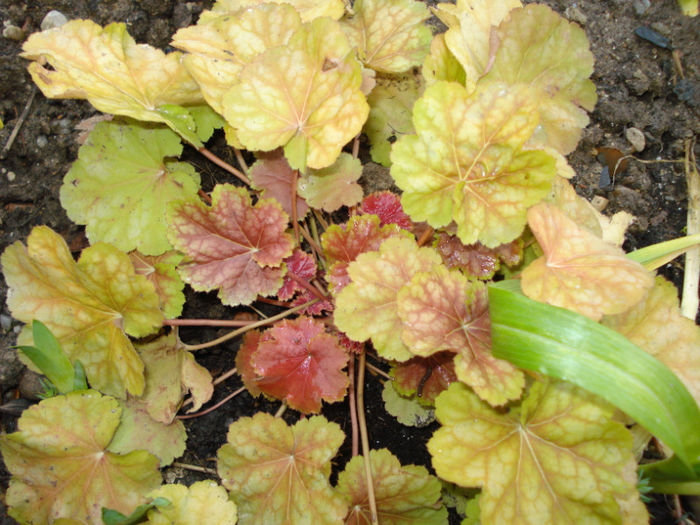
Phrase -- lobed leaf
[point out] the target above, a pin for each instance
(467, 162)
(107, 68)
(90, 306)
(278, 474)
(304, 96)
(160, 271)
(407, 410)
(387, 206)
(335, 186)
(389, 35)
(301, 265)
(578, 270)
(203, 502)
(232, 245)
(367, 307)
(476, 260)
(558, 458)
(403, 494)
(273, 174)
(308, 9)
(61, 467)
(122, 183)
(441, 310)
(424, 377)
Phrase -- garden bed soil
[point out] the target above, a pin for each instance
(639, 86)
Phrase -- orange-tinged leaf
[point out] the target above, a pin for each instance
(578, 270)
(300, 265)
(335, 186)
(297, 361)
(468, 163)
(656, 325)
(278, 474)
(389, 35)
(244, 361)
(273, 174)
(160, 270)
(308, 9)
(560, 458)
(106, 67)
(426, 377)
(304, 96)
(203, 503)
(90, 306)
(476, 260)
(367, 307)
(442, 310)
(232, 245)
(403, 494)
(387, 206)
(61, 467)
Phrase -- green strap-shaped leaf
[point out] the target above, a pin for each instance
(566, 345)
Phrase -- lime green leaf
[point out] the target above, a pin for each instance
(121, 184)
(578, 270)
(442, 310)
(367, 306)
(569, 346)
(441, 64)
(48, 356)
(232, 245)
(106, 67)
(308, 9)
(689, 7)
(403, 494)
(543, 50)
(561, 458)
(222, 42)
(656, 255)
(470, 34)
(467, 162)
(160, 270)
(389, 35)
(305, 96)
(88, 306)
(61, 467)
(203, 503)
(278, 474)
(335, 186)
(407, 410)
(391, 104)
(657, 326)
(138, 431)
(206, 121)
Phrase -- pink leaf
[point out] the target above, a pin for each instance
(303, 266)
(387, 206)
(273, 174)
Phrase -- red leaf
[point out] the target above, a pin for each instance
(244, 363)
(273, 174)
(299, 362)
(425, 376)
(315, 309)
(476, 260)
(231, 245)
(387, 206)
(303, 266)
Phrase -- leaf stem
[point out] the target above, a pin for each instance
(353, 407)
(321, 221)
(365, 439)
(256, 324)
(281, 409)
(425, 237)
(223, 377)
(241, 160)
(213, 407)
(307, 237)
(378, 371)
(205, 322)
(223, 164)
(295, 215)
(356, 146)
(307, 286)
(689, 300)
(195, 468)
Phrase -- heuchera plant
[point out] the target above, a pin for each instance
(474, 124)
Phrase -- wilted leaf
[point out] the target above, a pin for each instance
(441, 64)
(309, 9)
(387, 206)
(467, 162)
(391, 103)
(403, 494)
(121, 184)
(222, 42)
(88, 306)
(106, 67)
(367, 308)
(560, 456)
(273, 174)
(232, 245)
(441, 310)
(278, 474)
(578, 270)
(138, 431)
(335, 186)
(407, 410)
(160, 270)
(304, 96)
(61, 467)
(656, 325)
(203, 503)
(343, 243)
(551, 55)
(424, 377)
(389, 35)
(297, 361)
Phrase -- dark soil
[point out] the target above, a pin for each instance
(638, 86)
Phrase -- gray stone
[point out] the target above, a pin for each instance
(53, 19)
(636, 138)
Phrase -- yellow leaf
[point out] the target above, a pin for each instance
(578, 270)
(106, 67)
(308, 9)
(203, 503)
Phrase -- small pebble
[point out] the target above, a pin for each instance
(640, 6)
(12, 32)
(11, 176)
(5, 322)
(599, 202)
(636, 138)
(41, 141)
(574, 14)
(53, 19)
